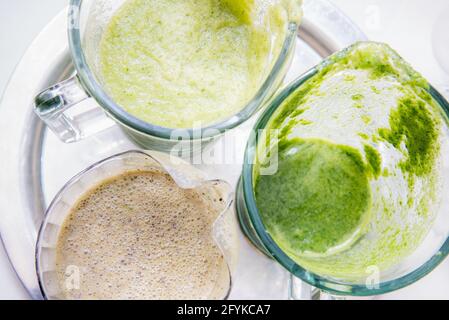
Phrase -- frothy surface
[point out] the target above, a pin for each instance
(139, 236)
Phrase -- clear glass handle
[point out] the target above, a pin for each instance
(70, 112)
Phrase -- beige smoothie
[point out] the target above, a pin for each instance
(139, 236)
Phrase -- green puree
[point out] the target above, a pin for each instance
(182, 63)
(357, 185)
(416, 127)
(316, 182)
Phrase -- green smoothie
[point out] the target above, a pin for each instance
(316, 182)
(359, 167)
(185, 63)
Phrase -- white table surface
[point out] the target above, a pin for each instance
(407, 25)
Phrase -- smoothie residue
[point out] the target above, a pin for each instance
(414, 126)
(358, 186)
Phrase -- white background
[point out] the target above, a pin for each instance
(409, 26)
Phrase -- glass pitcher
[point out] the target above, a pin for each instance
(64, 109)
(335, 125)
(224, 228)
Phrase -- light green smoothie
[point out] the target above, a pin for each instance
(359, 165)
(185, 63)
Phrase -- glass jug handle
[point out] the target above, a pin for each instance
(70, 112)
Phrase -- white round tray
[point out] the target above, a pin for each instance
(35, 164)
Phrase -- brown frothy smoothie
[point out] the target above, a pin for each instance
(139, 236)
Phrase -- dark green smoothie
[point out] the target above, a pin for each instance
(322, 197)
(358, 165)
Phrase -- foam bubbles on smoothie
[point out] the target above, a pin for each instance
(140, 236)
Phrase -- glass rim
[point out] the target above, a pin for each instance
(91, 85)
(332, 286)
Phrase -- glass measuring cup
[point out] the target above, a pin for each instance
(337, 126)
(223, 229)
(66, 110)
